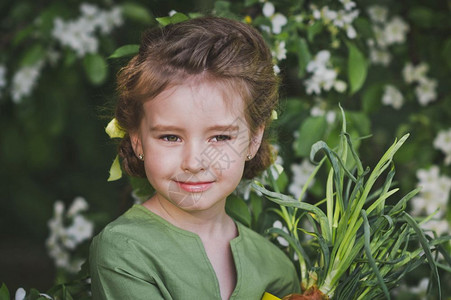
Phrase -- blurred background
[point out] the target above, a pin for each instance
(388, 63)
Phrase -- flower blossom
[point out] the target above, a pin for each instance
(324, 77)
(412, 74)
(280, 52)
(301, 173)
(24, 80)
(425, 91)
(443, 142)
(2, 77)
(434, 194)
(63, 239)
(278, 20)
(377, 13)
(340, 19)
(392, 96)
(395, 31)
(79, 34)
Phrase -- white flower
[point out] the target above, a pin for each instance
(378, 13)
(78, 205)
(438, 226)
(24, 81)
(343, 18)
(380, 56)
(340, 86)
(301, 173)
(434, 193)
(2, 76)
(89, 10)
(276, 69)
(283, 242)
(350, 32)
(172, 12)
(379, 35)
(425, 91)
(320, 61)
(395, 31)
(81, 229)
(413, 73)
(77, 35)
(319, 110)
(20, 294)
(348, 4)
(278, 21)
(443, 142)
(421, 289)
(268, 9)
(280, 52)
(392, 96)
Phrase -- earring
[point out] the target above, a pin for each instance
(141, 156)
(249, 157)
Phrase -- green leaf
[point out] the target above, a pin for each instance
(446, 51)
(367, 236)
(33, 55)
(250, 2)
(237, 208)
(289, 201)
(304, 56)
(4, 292)
(127, 50)
(137, 12)
(371, 98)
(310, 131)
(357, 68)
(96, 68)
(422, 16)
(314, 30)
(424, 243)
(176, 18)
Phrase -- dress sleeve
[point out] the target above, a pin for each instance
(118, 272)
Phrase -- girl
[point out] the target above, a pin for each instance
(194, 102)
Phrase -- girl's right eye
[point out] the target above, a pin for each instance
(170, 138)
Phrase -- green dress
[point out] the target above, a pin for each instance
(142, 256)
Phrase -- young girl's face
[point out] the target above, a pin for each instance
(195, 142)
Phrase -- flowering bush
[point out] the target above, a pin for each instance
(386, 63)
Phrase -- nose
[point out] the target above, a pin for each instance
(193, 160)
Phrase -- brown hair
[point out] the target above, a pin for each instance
(222, 49)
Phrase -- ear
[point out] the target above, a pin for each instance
(135, 139)
(256, 140)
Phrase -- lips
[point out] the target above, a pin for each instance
(195, 187)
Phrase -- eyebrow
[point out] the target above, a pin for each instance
(162, 128)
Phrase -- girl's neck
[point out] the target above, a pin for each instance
(206, 223)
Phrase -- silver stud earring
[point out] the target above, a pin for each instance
(141, 156)
(249, 157)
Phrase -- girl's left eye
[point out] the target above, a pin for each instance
(170, 138)
(221, 138)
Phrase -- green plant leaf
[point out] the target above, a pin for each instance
(33, 55)
(427, 251)
(96, 68)
(137, 12)
(369, 255)
(303, 54)
(126, 50)
(357, 68)
(4, 292)
(310, 131)
(176, 18)
(238, 209)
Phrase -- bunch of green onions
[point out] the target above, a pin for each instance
(361, 247)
